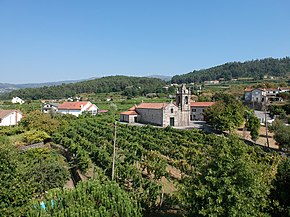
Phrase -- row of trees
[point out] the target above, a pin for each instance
(256, 69)
(124, 84)
(228, 113)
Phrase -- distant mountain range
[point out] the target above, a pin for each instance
(6, 87)
(162, 77)
(254, 69)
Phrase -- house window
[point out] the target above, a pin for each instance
(193, 110)
(171, 110)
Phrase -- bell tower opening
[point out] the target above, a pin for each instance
(182, 98)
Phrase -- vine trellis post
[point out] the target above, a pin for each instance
(114, 151)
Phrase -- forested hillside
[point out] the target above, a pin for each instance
(255, 69)
(127, 85)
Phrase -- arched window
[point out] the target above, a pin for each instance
(186, 99)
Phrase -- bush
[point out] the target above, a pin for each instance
(35, 136)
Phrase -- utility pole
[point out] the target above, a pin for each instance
(266, 123)
(114, 151)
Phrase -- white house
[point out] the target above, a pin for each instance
(262, 117)
(77, 108)
(261, 95)
(17, 100)
(9, 117)
(50, 107)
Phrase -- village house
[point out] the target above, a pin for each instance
(77, 108)
(50, 108)
(262, 95)
(212, 82)
(263, 117)
(197, 110)
(178, 113)
(10, 117)
(17, 100)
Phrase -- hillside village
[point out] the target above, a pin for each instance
(144, 108)
(147, 138)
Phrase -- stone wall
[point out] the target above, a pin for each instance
(150, 116)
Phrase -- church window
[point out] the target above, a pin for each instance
(171, 110)
(186, 99)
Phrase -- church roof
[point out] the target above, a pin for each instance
(152, 105)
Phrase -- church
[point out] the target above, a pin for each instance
(179, 113)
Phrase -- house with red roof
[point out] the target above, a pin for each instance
(77, 108)
(10, 117)
(178, 113)
(197, 110)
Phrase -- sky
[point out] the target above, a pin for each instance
(56, 40)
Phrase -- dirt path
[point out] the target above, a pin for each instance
(262, 138)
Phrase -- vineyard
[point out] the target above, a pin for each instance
(146, 154)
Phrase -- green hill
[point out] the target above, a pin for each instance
(255, 69)
(130, 86)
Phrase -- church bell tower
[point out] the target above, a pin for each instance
(183, 103)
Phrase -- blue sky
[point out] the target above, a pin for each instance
(57, 40)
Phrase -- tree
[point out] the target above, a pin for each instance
(39, 121)
(281, 134)
(280, 194)
(225, 115)
(26, 174)
(253, 125)
(228, 179)
(46, 168)
(90, 198)
(35, 136)
(15, 190)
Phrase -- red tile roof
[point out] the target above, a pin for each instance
(152, 105)
(90, 106)
(248, 89)
(4, 113)
(72, 105)
(103, 111)
(201, 104)
(129, 113)
(132, 109)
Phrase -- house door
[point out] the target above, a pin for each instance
(172, 121)
(135, 119)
